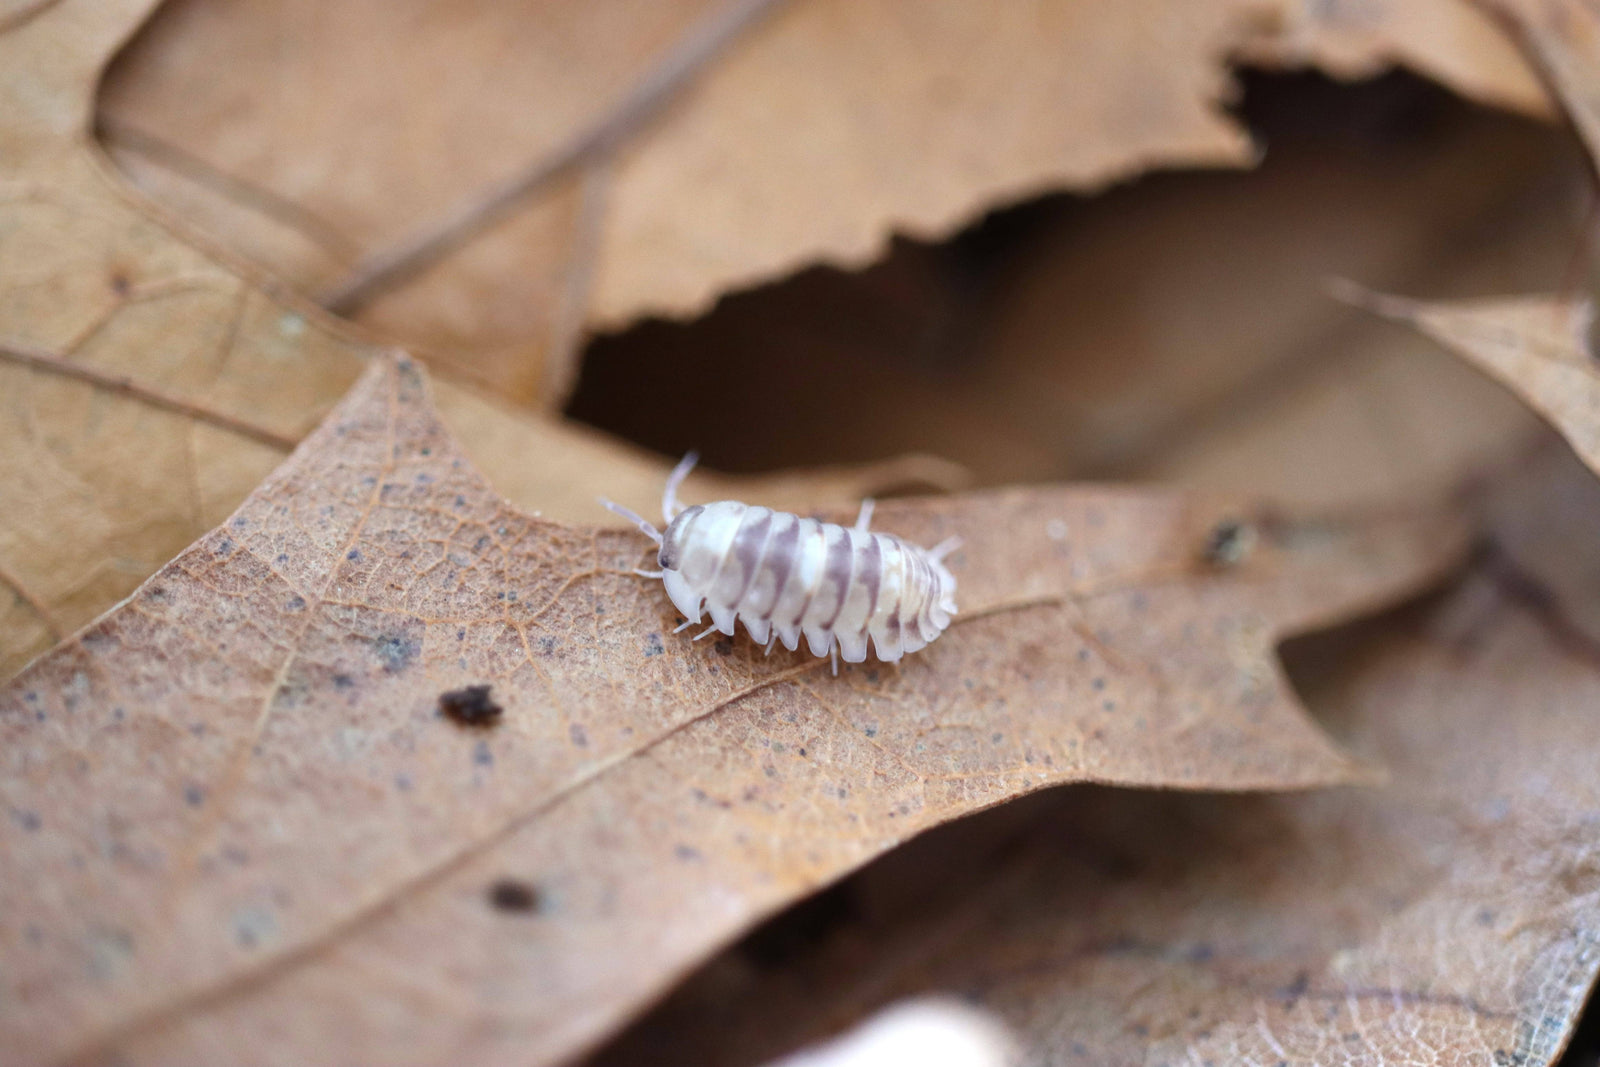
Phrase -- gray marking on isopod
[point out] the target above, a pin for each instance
(748, 562)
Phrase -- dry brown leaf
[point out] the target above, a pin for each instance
(1450, 41)
(1537, 346)
(1562, 37)
(1079, 338)
(808, 133)
(145, 387)
(234, 811)
(1452, 917)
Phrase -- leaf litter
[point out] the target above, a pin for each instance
(114, 328)
(252, 998)
(236, 811)
(1451, 917)
(618, 196)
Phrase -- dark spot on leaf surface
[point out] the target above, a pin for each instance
(510, 895)
(724, 647)
(579, 737)
(354, 555)
(295, 603)
(343, 681)
(1228, 544)
(28, 820)
(653, 645)
(194, 796)
(686, 853)
(224, 547)
(396, 651)
(482, 756)
(471, 706)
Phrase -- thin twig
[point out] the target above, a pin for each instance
(385, 269)
(51, 623)
(317, 230)
(20, 18)
(50, 363)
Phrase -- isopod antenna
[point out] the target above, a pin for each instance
(640, 521)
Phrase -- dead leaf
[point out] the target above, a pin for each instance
(1450, 41)
(146, 387)
(1562, 39)
(626, 159)
(1537, 346)
(233, 807)
(1450, 917)
(1082, 338)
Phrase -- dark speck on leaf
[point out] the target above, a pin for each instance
(283, 557)
(239, 522)
(295, 603)
(472, 706)
(396, 651)
(547, 645)
(224, 546)
(802, 752)
(1229, 543)
(194, 796)
(354, 555)
(343, 681)
(482, 756)
(510, 895)
(653, 645)
(402, 782)
(686, 853)
(724, 647)
(579, 737)
(1099, 684)
(28, 820)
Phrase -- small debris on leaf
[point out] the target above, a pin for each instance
(470, 706)
(1229, 543)
(508, 894)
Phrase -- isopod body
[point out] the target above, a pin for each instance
(785, 576)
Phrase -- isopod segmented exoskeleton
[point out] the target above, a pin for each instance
(785, 575)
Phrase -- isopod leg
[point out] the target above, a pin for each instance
(684, 625)
(641, 572)
(772, 641)
(944, 548)
(864, 519)
(707, 632)
(833, 654)
(669, 496)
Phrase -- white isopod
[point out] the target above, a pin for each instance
(785, 576)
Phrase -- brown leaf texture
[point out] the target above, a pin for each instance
(1452, 917)
(146, 386)
(618, 195)
(1536, 346)
(1540, 347)
(234, 810)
